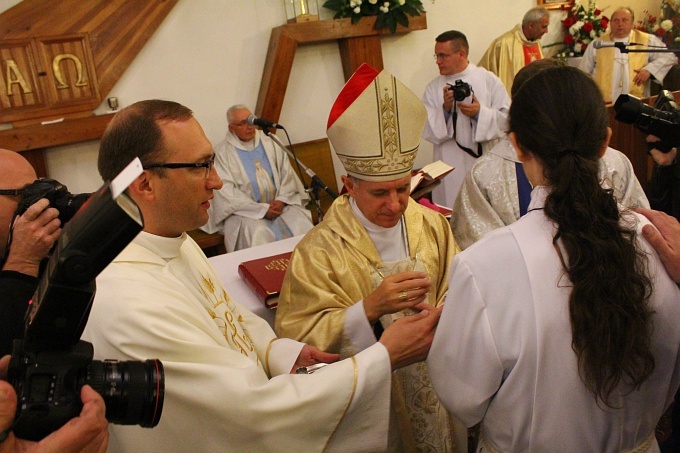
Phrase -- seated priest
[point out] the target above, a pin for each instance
(377, 254)
(262, 199)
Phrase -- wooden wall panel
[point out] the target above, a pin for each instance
(117, 30)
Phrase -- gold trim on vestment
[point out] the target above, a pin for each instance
(349, 403)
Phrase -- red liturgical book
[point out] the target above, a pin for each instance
(265, 277)
(429, 174)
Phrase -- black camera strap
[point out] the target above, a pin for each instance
(466, 149)
(5, 434)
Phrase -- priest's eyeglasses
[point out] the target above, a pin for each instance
(442, 56)
(207, 165)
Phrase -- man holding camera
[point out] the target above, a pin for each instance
(25, 241)
(467, 107)
(85, 433)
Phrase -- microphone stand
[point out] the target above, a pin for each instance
(625, 49)
(316, 183)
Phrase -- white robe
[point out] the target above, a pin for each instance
(658, 65)
(160, 298)
(502, 351)
(490, 124)
(489, 199)
(234, 211)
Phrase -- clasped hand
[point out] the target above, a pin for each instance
(33, 235)
(397, 292)
(469, 109)
(275, 210)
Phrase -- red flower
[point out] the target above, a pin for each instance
(597, 12)
(651, 19)
(569, 40)
(604, 22)
(588, 27)
(660, 31)
(568, 22)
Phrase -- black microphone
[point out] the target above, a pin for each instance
(597, 44)
(264, 124)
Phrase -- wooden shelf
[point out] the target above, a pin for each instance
(334, 29)
(359, 43)
(62, 133)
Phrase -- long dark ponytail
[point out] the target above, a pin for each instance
(559, 116)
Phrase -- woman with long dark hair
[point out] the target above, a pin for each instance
(560, 332)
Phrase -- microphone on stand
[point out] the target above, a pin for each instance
(316, 181)
(598, 44)
(264, 124)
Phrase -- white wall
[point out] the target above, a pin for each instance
(209, 54)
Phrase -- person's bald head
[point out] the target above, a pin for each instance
(17, 173)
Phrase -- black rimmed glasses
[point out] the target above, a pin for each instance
(207, 165)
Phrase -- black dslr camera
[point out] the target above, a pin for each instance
(460, 89)
(662, 120)
(51, 364)
(60, 198)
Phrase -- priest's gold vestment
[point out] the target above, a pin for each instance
(332, 268)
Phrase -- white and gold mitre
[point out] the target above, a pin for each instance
(375, 126)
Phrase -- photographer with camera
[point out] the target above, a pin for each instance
(467, 108)
(663, 189)
(86, 433)
(25, 241)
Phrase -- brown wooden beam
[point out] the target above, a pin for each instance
(278, 65)
(356, 51)
(359, 43)
(63, 133)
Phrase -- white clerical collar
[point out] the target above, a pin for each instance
(391, 243)
(464, 72)
(624, 39)
(237, 143)
(538, 196)
(166, 248)
(524, 37)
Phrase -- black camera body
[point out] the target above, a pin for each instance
(60, 198)
(460, 89)
(48, 386)
(662, 120)
(50, 364)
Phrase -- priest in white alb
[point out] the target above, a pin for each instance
(262, 199)
(230, 383)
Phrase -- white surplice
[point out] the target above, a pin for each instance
(234, 211)
(227, 381)
(490, 124)
(502, 351)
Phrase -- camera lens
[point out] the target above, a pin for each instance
(132, 390)
(68, 204)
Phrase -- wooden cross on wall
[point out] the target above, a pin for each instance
(359, 43)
